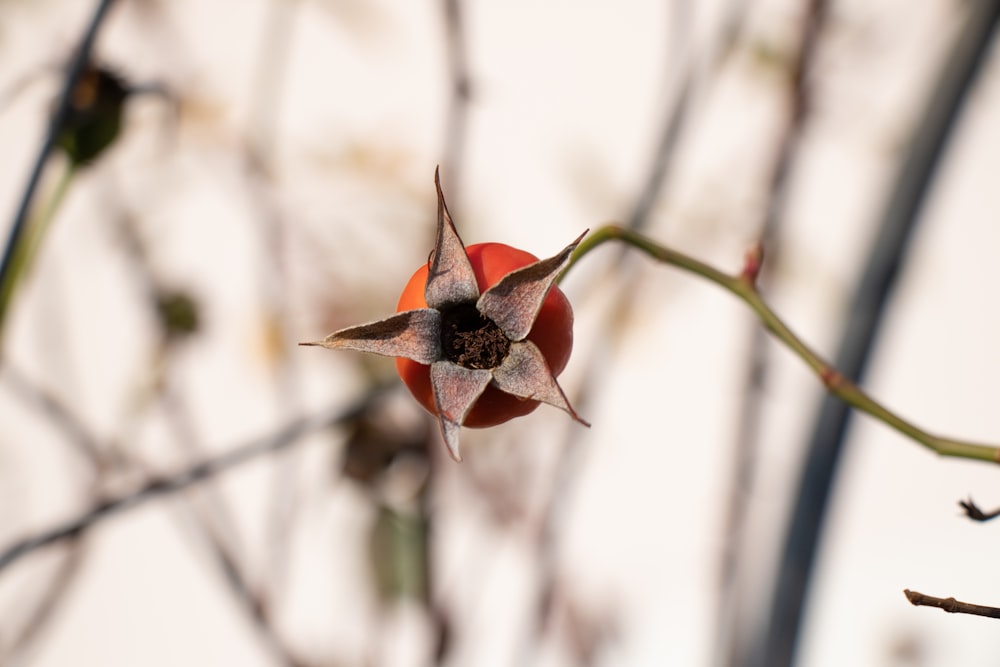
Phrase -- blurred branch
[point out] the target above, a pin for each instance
(269, 76)
(252, 600)
(440, 614)
(743, 286)
(58, 585)
(77, 433)
(746, 441)
(178, 316)
(183, 432)
(213, 518)
(973, 512)
(63, 109)
(566, 470)
(57, 412)
(461, 92)
(269, 223)
(673, 122)
(942, 110)
(670, 134)
(950, 605)
(288, 435)
(36, 618)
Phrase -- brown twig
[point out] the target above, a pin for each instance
(442, 617)
(746, 443)
(950, 605)
(963, 68)
(37, 616)
(273, 284)
(284, 437)
(973, 512)
(56, 411)
(35, 619)
(212, 514)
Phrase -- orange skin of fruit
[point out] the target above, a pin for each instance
(552, 332)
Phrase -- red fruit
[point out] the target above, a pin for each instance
(552, 333)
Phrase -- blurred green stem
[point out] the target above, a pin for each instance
(743, 286)
(26, 248)
(63, 109)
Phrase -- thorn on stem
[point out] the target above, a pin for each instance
(753, 261)
(831, 378)
(950, 604)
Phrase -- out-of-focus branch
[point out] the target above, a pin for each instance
(35, 619)
(57, 412)
(39, 613)
(973, 511)
(440, 614)
(456, 119)
(213, 517)
(77, 433)
(286, 436)
(777, 641)
(950, 605)
(746, 442)
(673, 126)
(269, 77)
(674, 121)
(63, 108)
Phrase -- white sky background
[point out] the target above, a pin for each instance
(566, 109)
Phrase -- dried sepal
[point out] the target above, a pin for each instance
(524, 373)
(513, 302)
(451, 432)
(414, 334)
(456, 390)
(462, 341)
(450, 278)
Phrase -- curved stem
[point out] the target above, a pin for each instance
(28, 242)
(743, 286)
(62, 110)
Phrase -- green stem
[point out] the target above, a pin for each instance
(743, 286)
(24, 252)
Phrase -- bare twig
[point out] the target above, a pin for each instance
(213, 516)
(35, 619)
(211, 519)
(75, 432)
(659, 170)
(973, 512)
(439, 612)
(565, 475)
(674, 121)
(950, 605)
(287, 435)
(57, 412)
(37, 615)
(571, 455)
(746, 442)
(273, 283)
(269, 78)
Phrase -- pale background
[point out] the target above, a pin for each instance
(344, 104)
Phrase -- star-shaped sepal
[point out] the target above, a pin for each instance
(470, 340)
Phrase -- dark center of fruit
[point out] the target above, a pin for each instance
(471, 340)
